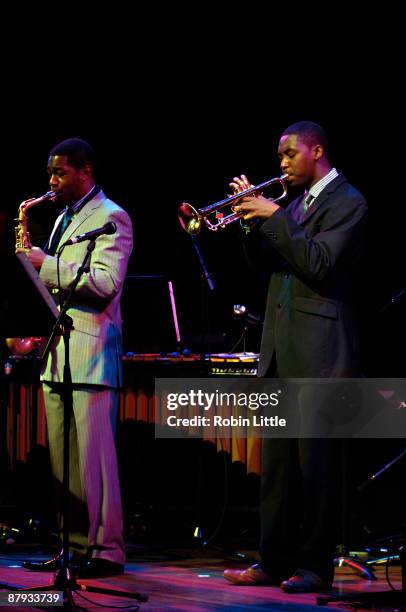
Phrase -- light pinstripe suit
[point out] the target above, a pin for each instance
(95, 359)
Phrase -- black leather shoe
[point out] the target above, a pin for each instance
(304, 581)
(52, 565)
(99, 568)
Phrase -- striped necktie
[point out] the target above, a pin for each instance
(307, 201)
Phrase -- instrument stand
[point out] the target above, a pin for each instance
(205, 543)
(249, 320)
(389, 597)
(376, 598)
(243, 340)
(64, 579)
(344, 557)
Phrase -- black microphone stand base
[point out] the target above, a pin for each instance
(65, 582)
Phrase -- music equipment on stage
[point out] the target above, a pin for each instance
(213, 216)
(212, 364)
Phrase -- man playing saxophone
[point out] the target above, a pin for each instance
(95, 350)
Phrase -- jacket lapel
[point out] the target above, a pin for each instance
(319, 201)
(82, 215)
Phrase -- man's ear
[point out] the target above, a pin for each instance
(318, 151)
(86, 171)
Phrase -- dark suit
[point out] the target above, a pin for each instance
(309, 321)
(309, 332)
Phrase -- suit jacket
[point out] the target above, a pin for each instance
(310, 326)
(96, 343)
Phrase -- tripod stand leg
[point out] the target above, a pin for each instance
(65, 583)
(390, 597)
(362, 569)
(92, 589)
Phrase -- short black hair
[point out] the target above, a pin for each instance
(79, 152)
(309, 132)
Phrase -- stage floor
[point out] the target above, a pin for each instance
(190, 585)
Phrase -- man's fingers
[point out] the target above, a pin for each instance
(235, 188)
(246, 182)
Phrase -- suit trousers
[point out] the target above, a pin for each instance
(300, 503)
(300, 492)
(95, 512)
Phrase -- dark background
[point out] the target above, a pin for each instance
(185, 140)
(151, 161)
(169, 125)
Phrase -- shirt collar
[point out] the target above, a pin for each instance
(77, 205)
(318, 187)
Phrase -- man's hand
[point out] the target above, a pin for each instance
(256, 207)
(253, 206)
(240, 184)
(35, 255)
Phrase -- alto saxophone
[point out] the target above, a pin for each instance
(23, 346)
(22, 233)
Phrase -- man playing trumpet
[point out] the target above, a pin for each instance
(310, 331)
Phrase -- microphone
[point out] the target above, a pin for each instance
(108, 228)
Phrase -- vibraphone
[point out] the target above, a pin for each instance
(22, 418)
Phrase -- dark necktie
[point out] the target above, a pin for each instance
(306, 202)
(58, 233)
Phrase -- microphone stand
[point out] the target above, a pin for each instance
(198, 530)
(65, 580)
(205, 275)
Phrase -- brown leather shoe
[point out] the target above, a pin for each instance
(251, 576)
(303, 581)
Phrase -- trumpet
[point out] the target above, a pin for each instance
(191, 218)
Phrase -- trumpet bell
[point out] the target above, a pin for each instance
(189, 219)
